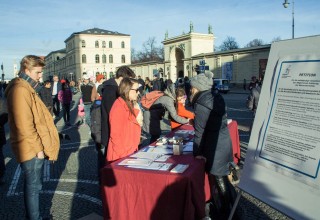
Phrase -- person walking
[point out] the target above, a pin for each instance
(33, 134)
(212, 141)
(125, 130)
(65, 98)
(56, 87)
(89, 94)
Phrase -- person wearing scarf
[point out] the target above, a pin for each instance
(33, 135)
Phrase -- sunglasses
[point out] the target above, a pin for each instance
(137, 90)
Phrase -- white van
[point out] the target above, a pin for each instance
(222, 85)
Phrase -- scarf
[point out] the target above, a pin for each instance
(34, 84)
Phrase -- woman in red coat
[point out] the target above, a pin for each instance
(125, 130)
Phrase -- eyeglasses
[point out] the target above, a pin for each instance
(137, 90)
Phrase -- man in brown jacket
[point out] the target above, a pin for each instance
(33, 134)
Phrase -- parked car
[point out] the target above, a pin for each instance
(222, 85)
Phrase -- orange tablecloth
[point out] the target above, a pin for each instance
(129, 193)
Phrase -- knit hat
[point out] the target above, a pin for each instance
(203, 81)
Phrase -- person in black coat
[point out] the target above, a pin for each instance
(109, 95)
(3, 141)
(46, 97)
(212, 140)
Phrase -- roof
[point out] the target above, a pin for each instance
(57, 51)
(240, 50)
(97, 31)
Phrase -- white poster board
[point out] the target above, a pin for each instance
(283, 156)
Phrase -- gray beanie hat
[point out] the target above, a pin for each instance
(203, 81)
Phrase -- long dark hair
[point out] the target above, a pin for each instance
(124, 90)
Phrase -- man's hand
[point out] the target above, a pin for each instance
(40, 155)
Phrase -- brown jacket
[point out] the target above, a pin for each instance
(31, 125)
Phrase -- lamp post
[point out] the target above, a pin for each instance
(286, 4)
(71, 76)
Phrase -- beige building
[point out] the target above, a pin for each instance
(91, 51)
(183, 55)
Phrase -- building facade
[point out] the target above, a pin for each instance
(91, 51)
(185, 54)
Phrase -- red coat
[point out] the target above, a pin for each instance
(125, 131)
(183, 112)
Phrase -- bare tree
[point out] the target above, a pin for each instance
(150, 52)
(275, 39)
(229, 44)
(255, 43)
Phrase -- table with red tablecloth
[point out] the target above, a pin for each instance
(130, 193)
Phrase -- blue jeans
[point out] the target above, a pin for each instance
(32, 170)
(87, 114)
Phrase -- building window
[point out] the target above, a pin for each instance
(97, 58)
(97, 44)
(122, 44)
(123, 59)
(110, 44)
(84, 58)
(83, 43)
(103, 44)
(104, 58)
(110, 58)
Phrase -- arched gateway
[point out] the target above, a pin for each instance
(179, 50)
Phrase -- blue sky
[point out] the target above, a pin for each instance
(41, 26)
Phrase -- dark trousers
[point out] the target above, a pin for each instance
(226, 193)
(101, 157)
(56, 105)
(66, 112)
(2, 163)
(32, 170)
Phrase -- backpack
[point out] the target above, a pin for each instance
(95, 114)
(148, 99)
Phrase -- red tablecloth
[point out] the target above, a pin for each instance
(130, 193)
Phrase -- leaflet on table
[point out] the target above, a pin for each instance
(157, 150)
(188, 147)
(154, 166)
(135, 162)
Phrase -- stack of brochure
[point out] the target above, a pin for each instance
(147, 160)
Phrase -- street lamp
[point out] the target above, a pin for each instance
(286, 4)
(71, 76)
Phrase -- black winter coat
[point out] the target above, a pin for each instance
(212, 139)
(46, 96)
(109, 95)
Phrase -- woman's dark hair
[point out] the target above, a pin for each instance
(124, 90)
(125, 71)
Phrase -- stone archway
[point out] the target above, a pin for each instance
(179, 55)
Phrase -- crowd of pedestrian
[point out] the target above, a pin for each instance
(122, 119)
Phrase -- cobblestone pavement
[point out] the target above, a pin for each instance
(70, 185)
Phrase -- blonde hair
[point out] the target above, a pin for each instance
(30, 61)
